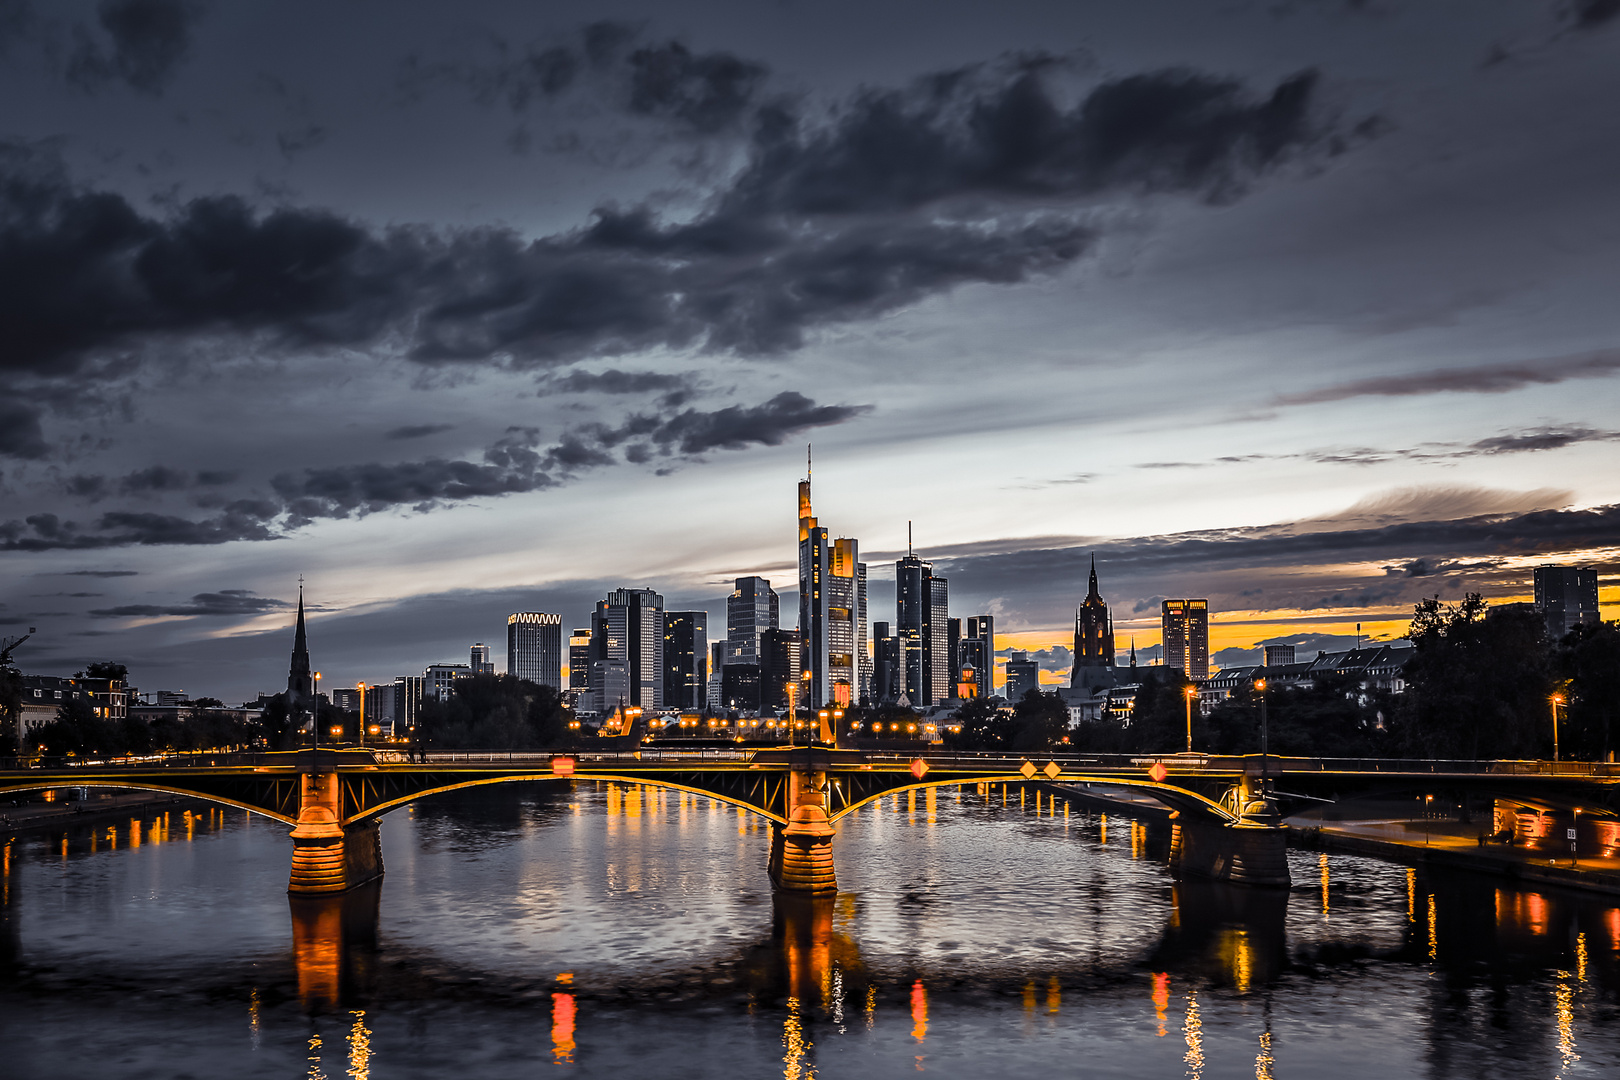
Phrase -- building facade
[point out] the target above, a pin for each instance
(781, 666)
(1093, 632)
(533, 648)
(627, 629)
(478, 659)
(752, 608)
(830, 609)
(686, 659)
(1567, 597)
(1023, 675)
(1185, 625)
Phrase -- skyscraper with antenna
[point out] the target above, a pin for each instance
(832, 610)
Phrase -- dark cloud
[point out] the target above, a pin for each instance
(100, 573)
(1541, 439)
(226, 602)
(614, 381)
(703, 93)
(1056, 658)
(156, 478)
(973, 177)
(1482, 379)
(417, 431)
(241, 520)
(1591, 14)
(142, 43)
(20, 433)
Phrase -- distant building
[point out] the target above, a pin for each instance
(752, 608)
(408, 693)
(715, 696)
(937, 660)
(42, 695)
(579, 658)
(781, 665)
(627, 629)
(1185, 625)
(380, 706)
(533, 648)
(1278, 655)
(922, 603)
(977, 650)
(686, 659)
(1023, 675)
(1567, 596)
(478, 659)
(886, 684)
(439, 679)
(347, 698)
(1093, 633)
(740, 687)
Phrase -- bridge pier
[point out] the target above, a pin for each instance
(327, 856)
(801, 852)
(1251, 851)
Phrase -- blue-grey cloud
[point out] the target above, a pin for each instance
(140, 43)
(227, 602)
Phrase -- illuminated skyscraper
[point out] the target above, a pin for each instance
(829, 611)
(922, 623)
(1185, 624)
(780, 665)
(480, 662)
(686, 659)
(751, 609)
(937, 645)
(579, 658)
(533, 648)
(978, 651)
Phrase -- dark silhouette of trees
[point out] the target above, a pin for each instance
(1038, 722)
(1159, 715)
(104, 669)
(497, 712)
(1333, 717)
(1480, 685)
(1586, 666)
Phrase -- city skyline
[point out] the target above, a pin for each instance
(1322, 332)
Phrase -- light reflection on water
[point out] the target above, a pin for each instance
(605, 928)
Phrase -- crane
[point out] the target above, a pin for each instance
(8, 644)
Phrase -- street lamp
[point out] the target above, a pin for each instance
(315, 710)
(362, 689)
(1191, 692)
(1557, 700)
(1260, 688)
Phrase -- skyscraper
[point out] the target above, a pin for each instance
(1023, 675)
(1566, 596)
(781, 660)
(937, 645)
(912, 596)
(1185, 624)
(752, 608)
(829, 607)
(686, 659)
(533, 648)
(479, 659)
(979, 651)
(579, 658)
(885, 665)
(627, 629)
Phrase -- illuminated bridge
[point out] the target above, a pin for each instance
(1223, 809)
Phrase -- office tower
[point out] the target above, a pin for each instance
(479, 660)
(714, 695)
(579, 658)
(628, 629)
(954, 638)
(741, 687)
(1023, 675)
(781, 664)
(937, 644)
(1567, 596)
(912, 595)
(979, 639)
(438, 681)
(380, 706)
(829, 575)
(885, 665)
(1185, 624)
(408, 690)
(1093, 634)
(686, 659)
(1278, 655)
(533, 648)
(751, 609)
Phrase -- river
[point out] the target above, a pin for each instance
(601, 930)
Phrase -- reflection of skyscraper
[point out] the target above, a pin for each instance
(533, 648)
(1566, 596)
(1185, 624)
(830, 573)
(751, 609)
(686, 659)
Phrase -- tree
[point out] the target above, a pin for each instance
(1587, 666)
(1159, 714)
(495, 712)
(1479, 684)
(105, 669)
(984, 727)
(1333, 717)
(11, 696)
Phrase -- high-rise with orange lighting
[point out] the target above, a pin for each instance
(1186, 636)
(832, 611)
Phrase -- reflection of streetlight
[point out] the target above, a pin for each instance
(1556, 699)
(1191, 692)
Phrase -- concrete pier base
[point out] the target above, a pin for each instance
(1242, 854)
(327, 856)
(801, 853)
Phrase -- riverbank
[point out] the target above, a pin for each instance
(34, 817)
(1455, 846)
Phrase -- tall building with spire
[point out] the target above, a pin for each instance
(1093, 632)
(832, 636)
(300, 681)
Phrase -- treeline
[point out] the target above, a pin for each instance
(78, 731)
(1481, 684)
(494, 712)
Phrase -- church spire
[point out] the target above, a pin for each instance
(300, 684)
(1133, 650)
(1093, 594)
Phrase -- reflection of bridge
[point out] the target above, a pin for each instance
(1225, 825)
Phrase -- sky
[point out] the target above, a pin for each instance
(457, 310)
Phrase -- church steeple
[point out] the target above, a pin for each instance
(1093, 632)
(1092, 593)
(300, 684)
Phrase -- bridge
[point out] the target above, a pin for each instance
(1224, 810)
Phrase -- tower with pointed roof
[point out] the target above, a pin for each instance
(1093, 632)
(300, 683)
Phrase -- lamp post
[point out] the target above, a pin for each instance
(1556, 699)
(1191, 692)
(362, 689)
(315, 709)
(1260, 688)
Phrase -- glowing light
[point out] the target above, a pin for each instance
(1434, 936)
(1323, 863)
(1158, 772)
(359, 1046)
(563, 1009)
(1263, 1061)
(1564, 1012)
(795, 1044)
(1054, 995)
(1161, 1000)
(562, 766)
(919, 1011)
(1193, 1029)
